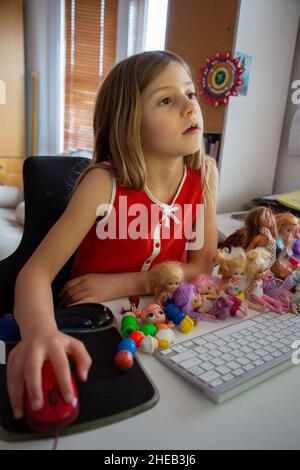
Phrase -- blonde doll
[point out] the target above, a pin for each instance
(257, 270)
(148, 134)
(286, 263)
(232, 268)
(163, 280)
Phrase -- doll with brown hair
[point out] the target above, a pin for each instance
(162, 281)
(257, 270)
(232, 268)
(259, 231)
(286, 263)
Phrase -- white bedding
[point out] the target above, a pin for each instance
(10, 232)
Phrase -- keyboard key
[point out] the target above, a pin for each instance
(200, 349)
(194, 361)
(227, 377)
(238, 372)
(249, 367)
(183, 356)
(259, 362)
(178, 348)
(209, 376)
(233, 365)
(207, 366)
(196, 371)
(205, 357)
(188, 344)
(223, 370)
(216, 383)
(243, 361)
(165, 352)
(215, 353)
(217, 361)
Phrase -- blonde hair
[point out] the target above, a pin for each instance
(258, 258)
(285, 219)
(117, 115)
(161, 274)
(228, 261)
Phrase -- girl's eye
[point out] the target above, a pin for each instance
(165, 101)
(192, 95)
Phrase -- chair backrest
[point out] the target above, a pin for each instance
(48, 185)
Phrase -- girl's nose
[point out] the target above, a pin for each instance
(189, 106)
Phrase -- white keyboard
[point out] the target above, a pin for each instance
(236, 357)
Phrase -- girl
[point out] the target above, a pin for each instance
(148, 131)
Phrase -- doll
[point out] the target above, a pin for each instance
(259, 230)
(154, 314)
(213, 302)
(232, 268)
(257, 270)
(162, 281)
(286, 263)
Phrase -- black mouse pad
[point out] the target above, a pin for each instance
(108, 395)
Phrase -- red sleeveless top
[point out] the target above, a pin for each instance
(139, 231)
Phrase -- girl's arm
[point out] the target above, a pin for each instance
(33, 307)
(201, 260)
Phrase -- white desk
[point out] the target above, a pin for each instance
(267, 416)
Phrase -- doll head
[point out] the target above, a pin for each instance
(164, 277)
(232, 264)
(258, 263)
(187, 298)
(258, 218)
(152, 313)
(208, 285)
(286, 223)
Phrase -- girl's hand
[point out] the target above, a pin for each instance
(26, 360)
(89, 288)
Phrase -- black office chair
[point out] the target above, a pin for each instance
(48, 185)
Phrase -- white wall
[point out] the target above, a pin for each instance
(266, 30)
(288, 166)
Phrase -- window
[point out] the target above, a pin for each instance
(91, 27)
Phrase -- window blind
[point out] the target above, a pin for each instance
(91, 27)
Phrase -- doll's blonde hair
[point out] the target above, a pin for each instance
(258, 258)
(161, 274)
(117, 121)
(228, 261)
(285, 218)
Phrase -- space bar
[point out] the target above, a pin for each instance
(228, 330)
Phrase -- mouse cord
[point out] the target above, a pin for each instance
(55, 440)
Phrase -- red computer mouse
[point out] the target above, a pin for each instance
(55, 413)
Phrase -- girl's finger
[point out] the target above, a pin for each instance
(82, 359)
(70, 284)
(33, 380)
(15, 387)
(61, 366)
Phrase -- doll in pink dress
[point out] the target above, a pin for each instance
(257, 270)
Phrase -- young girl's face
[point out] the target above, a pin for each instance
(169, 109)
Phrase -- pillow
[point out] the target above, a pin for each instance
(20, 212)
(10, 196)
